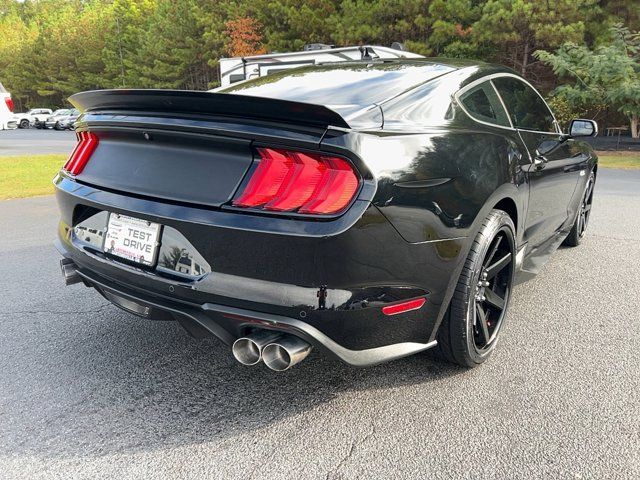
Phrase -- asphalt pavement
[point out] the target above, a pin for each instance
(88, 391)
(33, 141)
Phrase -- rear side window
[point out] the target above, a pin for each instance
(527, 109)
(483, 104)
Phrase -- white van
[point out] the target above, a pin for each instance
(7, 120)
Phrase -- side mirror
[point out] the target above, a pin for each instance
(583, 128)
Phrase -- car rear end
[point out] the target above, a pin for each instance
(241, 216)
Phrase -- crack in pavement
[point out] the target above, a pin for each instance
(333, 473)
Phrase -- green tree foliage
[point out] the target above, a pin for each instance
(606, 75)
(171, 54)
(512, 30)
(383, 22)
(125, 33)
(50, 49)
(289, 24)
(452, 28)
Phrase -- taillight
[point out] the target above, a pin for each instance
(308, 183)
(9, 103)
(87, 144)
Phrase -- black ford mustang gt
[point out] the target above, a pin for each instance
(369, 209)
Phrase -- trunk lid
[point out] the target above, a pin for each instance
(189, 147)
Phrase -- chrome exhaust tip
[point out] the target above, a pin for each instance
(69, 272)
(248, 350)
(285, 353)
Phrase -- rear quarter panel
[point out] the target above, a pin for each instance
(439, 184)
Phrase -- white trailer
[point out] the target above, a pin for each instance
(237, 69)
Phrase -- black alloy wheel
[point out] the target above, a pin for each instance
(492, 292)
(584, 212)
(469, 331)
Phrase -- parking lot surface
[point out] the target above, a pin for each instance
(33, 141)
(88, 391)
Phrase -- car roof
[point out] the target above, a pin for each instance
(358, 84)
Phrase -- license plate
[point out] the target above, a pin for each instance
(132, 238)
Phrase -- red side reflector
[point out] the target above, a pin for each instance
(87, 144)
(309, 183)
(404, 306)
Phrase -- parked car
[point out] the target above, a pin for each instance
(67, 122)
(53, 120)
(371, 209)
(28, 119)
(7, 121)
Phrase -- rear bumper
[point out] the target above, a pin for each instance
(226, 322)
(325, 282)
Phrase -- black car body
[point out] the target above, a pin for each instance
(432, 150)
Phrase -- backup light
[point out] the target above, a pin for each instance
(404, 306)
(309, 183)
(87, 144)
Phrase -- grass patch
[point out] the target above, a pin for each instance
(619, 159)
(28, 175)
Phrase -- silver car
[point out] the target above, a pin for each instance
(54, 119)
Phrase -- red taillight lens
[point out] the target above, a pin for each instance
(87, 144)
(404, 306)
(288, 181)
(9, 103)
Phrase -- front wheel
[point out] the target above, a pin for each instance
(24, 123)
(469, 332)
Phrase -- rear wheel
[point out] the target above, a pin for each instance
(24, 123)
(584, 212)
(469, 332)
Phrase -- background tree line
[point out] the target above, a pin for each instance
(50, 49)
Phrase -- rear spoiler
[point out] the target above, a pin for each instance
(206, 103)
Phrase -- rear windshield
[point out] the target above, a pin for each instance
(341, 84)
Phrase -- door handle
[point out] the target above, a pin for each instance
(539, 161)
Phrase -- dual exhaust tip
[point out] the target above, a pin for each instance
(278, 351)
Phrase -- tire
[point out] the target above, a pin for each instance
(581, 222)
(24, 123)
(56, 126)
(466, 336)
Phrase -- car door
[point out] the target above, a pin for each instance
(555, 164)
